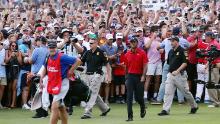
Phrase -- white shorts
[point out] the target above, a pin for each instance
(202, 72)
(154, 69)
(3, 81)
(63, 91)
(107, 74)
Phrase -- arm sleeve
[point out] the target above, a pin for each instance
(67, 60)
(34, 56)
(83, 59)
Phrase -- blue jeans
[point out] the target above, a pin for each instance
(19, 81)
(162, 86)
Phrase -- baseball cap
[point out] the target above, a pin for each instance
(109, 36)
(65, 30)
(139, 29)
(119, 36)
(174, 38)
(176, 31)
(209, 34)
(52, 44)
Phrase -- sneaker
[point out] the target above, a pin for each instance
(26, 107)
(39, 116)
(163, 113)
(211, 106)
(105, 113)
(118, 101)
(85, 117)
(198, 100)
(156, 103)
(193, 110)
(122, 101)
(181, 103)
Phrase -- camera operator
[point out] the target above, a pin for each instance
(213, 93)
(202, 72)
(69, 45)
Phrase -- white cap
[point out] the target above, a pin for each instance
(119, 35)
(79, 37)
(139, 29)
(109, 36)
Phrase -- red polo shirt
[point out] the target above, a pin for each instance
(215, 43)
(135, 61)
(192, 50)
(202, 46)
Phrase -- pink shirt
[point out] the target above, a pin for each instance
(153, 54)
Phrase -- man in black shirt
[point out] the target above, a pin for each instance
(94, 59)
(177, 78)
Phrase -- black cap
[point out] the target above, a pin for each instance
(5, 33)
(176, 31)
(210, 34)
(174, 38)
(52, 44)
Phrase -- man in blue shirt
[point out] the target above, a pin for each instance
(166, 45)
(110, 51)
(37, 59)
(58, 109)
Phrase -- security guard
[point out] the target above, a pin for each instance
(177, 78)
(94, 59)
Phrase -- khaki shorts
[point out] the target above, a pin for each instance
(3, 81)
(107, 74)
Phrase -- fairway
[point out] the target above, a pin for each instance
(117, 115)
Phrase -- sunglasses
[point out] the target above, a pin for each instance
(91, 43)
(13, 45)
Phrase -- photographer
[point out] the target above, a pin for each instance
(213, 93)
(69, 45)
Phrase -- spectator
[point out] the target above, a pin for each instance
(13, 61)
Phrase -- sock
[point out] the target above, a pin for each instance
(155, 95)
(145, 94)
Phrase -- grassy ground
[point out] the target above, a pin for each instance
(118, 115)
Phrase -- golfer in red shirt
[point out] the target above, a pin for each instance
(136, 67)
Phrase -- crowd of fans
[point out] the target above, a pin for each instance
(26, 27)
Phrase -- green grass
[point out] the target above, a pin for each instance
(117, 115)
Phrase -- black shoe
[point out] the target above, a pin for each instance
(194, 110)
(163, 113)
(129, 119)
(39, 116)
(85, 117)
(105, 113)
(143, 113)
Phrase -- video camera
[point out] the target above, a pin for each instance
(210, 55)
(213, 53)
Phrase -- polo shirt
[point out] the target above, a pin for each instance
(135, 61)
(65, 61)
(176, 58)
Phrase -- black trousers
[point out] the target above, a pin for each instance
(134, 86)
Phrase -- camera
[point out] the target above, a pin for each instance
(213, 53)
(210, 55)
(73, 40)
